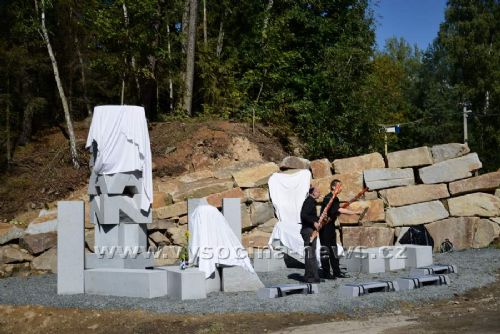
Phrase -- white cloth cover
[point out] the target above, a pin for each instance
(121, 134)
(288, 192)
(213, 242)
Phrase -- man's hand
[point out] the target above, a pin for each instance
(317, 225)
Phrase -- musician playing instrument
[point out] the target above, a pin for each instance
(309, 219)
(327, 233)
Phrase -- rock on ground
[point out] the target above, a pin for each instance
(477, 204)
(414, 194)
(448, 151)
(38, 243)
(415, 157)
(485, 182)
(292, 162)
(379, 178)
(358, 164)
(367, 236)
(321, 168)
(255, 176)
(46, 262)
(9, 232)
(460, 231)
(416, 214)
(450, 170)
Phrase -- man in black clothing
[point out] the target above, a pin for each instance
(309, 219)
(327, 235)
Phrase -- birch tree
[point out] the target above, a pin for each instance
(190, 53)
(67, 116)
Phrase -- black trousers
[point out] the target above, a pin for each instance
(329, 257)
(311, 263)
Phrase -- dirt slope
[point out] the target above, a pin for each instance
(41, 172)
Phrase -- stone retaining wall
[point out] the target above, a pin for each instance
(437, 186)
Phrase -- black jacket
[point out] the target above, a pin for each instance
(327, 233)
(334, 209)
(308, 215)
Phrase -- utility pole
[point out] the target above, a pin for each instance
(465, 112)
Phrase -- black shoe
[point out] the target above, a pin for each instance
(329, 276)
(342, 275)
(312, 280)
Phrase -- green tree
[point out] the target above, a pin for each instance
(470, 38)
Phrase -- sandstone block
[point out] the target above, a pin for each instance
(47, 261)
(358, 164)
(226, 173)
(169, 186)
(448, 151)
(159, 238)
(477, 204)
(352, 185)
(202, 188)
(13, 254)
(161, 224)
(255, 176)
(161, 199)
(321, 168)
(44, 224)
(292, 162)
(485, 182)
(257, 194)
(375, 212)
(486, 231)
(169, 211)
(261, 212)
(415, 157)
(268, 226)
(90, 240)
(414, 194)
(216, 199)
(379, 178)
(38, 243)
(246, 222)
(196, 176)
(416, 214)
(367, 236)
(460, 231)
(255, 238)
(178, 234)
(9, 232)
(450, 170)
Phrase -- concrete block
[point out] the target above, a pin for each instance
(365, 260)
(70, 247)
(287, 289)
(185, 284)
(435, 269)
(418, 281)
(192, 204)
(235, 279)
(119, 261)
(143, 283)
(115, 209)
(267, 260)
(359, 289)
(418, 256)
(231, 209)
(214, 283)
(118, 183)
(122, 235)
(394, 257)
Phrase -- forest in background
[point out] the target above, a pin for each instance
(306, 68)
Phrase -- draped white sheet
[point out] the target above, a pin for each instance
(213, 242)
(121, 134)
(288, 192)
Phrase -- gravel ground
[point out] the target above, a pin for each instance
(476, 268)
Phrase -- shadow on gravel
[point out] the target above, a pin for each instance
(297, 277)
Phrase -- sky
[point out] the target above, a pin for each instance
(417, 21)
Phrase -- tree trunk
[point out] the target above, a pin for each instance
(132, 57)
(220, 39)
(185, 25)
(188, 94)
(170, 83)
(205, 34)
(82, 74)
(266, 19)
(25, 136)
(62, 95)
(7, 124)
